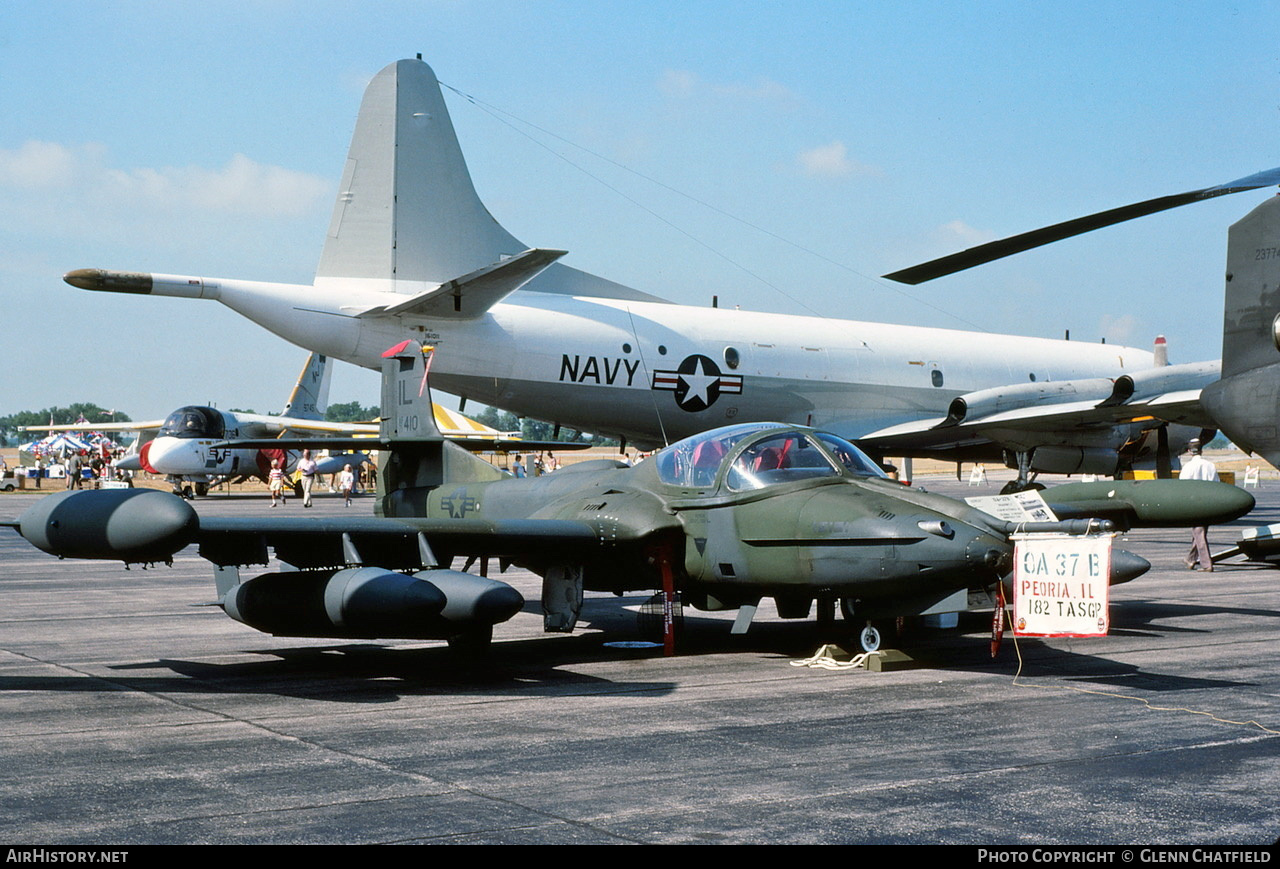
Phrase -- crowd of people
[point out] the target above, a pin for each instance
(546, 463)
(349, 482)
(76, 467)
(92, 466)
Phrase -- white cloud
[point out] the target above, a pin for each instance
(38, 165)
(961, 234)
(684, 84)
(1118, 330)
(243, 186)
(831, 161)
(677, 83)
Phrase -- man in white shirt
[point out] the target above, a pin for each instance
(1198, 468)
(307, 474)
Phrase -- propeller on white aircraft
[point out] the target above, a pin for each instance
(994, 250)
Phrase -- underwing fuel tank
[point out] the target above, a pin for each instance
(133, 525)
(1152, 503)
(473, 600)
(371, 603)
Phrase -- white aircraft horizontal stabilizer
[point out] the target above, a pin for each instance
(472, 295)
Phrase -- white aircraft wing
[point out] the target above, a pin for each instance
(264, 425)
(1024, 413)
(451, 424)
(152, 425)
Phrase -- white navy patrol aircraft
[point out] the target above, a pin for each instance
(411, 249)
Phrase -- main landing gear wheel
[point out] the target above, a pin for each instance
(869, 638)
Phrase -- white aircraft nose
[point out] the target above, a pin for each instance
(177, 456)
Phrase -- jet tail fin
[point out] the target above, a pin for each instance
(1160, 354)
(1246, 401)
(418, 458)
(310, 396)
(407, 412)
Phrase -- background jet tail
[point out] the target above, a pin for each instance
(310, 396)
(1246, 401)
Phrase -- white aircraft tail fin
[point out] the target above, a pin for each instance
(310, 396)
(405, 154)
(1161, 352)
(407, 212)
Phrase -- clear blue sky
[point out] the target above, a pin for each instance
(207, 139)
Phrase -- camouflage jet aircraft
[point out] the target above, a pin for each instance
(727, 518)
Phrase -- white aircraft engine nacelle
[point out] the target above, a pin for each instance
(1074, 460)
(1156, 381)
(986, 402)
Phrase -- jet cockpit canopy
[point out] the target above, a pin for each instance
(193, 422)
(756, 455)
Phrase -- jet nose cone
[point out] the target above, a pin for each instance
(175, 456)
(1126, 566)
(987, 552)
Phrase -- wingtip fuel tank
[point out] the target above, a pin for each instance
(133, 525)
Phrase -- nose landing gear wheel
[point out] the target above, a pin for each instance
(869, 638)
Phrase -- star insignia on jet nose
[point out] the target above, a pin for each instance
(697, 383)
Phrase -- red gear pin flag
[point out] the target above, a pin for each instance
(997, 620)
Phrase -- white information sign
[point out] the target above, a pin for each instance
(1019, 507)
(1060, 585)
